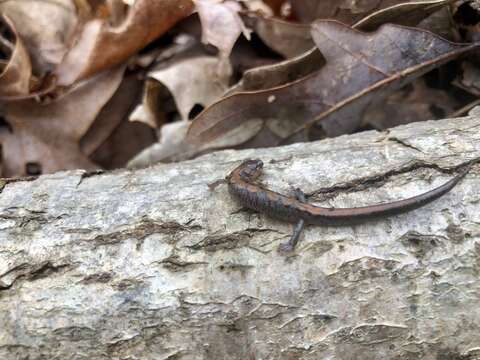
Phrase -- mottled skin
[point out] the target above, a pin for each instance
(241, 184)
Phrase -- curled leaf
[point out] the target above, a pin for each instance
(15, 78)
(45, 27)
(284, 72)
(221, 24)
(100, 46)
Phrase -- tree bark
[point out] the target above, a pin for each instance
(152, 264)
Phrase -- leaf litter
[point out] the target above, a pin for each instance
(98, 84)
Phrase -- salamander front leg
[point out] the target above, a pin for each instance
(297, 231)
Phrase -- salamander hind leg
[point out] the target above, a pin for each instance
(297, 231)
(290, 245)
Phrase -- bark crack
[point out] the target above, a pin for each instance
(30, 272)
(142, 230)
(378, 180)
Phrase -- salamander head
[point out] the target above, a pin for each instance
(249, 169)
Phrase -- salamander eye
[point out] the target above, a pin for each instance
(255, 165)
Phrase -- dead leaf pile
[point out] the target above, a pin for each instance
(97, 84)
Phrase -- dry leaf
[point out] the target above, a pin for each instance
(362, 68)
(46, 28)
(416, 102)
(274, 32)
(469, 79)
(466, 16)
(409, 14)
(195, 81)
(151, 110)
(286, 38)
(114, 153)
(112, 115)
(170, 144)
(173, 147)
(277, 5)
(291, 39)
(307, 11)
(281, 73)
(407, 54)
(244, 57)
(258, 6)
(441, 23)
(16, 76)
(347, 11)
(46, 136)
(100, 46)
(221, 24)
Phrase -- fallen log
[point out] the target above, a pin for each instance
(153, 264)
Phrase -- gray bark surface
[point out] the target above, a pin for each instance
(152, 264)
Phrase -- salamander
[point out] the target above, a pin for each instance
(295, 209)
